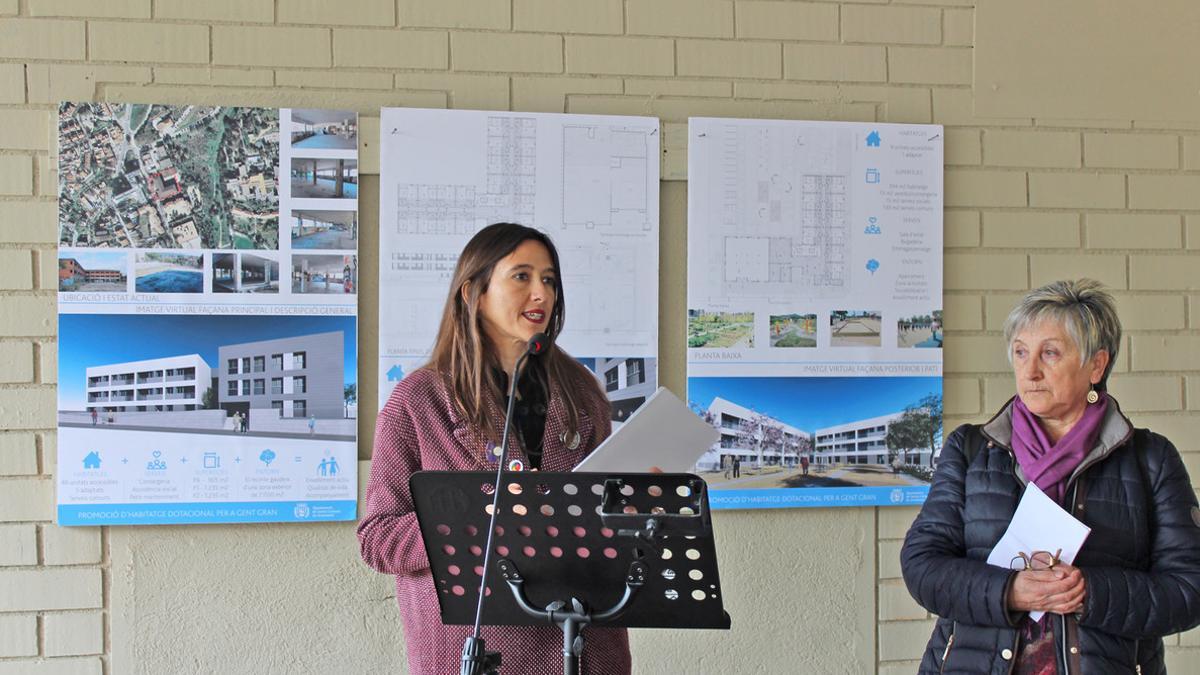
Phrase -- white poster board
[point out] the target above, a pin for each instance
(815, 309)
(208, 280)
(588, 181)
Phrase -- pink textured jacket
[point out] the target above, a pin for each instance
(420, 429)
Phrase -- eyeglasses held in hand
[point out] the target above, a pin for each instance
(1036, 561)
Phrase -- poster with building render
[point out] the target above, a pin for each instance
(208, 280)
(815, 310)
(588, 181)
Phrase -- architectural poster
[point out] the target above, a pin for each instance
(590, 182)
(815, 310)
(208, 280)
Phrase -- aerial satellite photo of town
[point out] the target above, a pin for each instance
(159, 176)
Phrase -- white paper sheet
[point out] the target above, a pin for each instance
(1039, 524)
(662, 433)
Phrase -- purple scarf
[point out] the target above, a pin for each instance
(1047, 464)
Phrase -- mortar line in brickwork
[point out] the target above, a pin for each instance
(37, 361)
(39, 542)
(106, 599)
(39, 458)
(875, 611)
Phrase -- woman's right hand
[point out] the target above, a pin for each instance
(1060, 590)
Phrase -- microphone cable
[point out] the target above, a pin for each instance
(536, 345)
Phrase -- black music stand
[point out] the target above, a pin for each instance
(633, 550)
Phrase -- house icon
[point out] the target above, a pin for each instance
(873, 139)
(395, 373)
(92, 461)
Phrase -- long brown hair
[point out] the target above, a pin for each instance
(462, 351)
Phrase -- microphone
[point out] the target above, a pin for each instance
(537, 344)
(475, 659)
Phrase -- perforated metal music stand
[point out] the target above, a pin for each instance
(573, 549)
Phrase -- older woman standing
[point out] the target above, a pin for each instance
(1137, 577)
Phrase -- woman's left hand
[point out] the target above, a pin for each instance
(1061, 590)
(1076, 596)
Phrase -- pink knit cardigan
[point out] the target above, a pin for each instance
(419, 429)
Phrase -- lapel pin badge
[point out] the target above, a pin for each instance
(571, 442)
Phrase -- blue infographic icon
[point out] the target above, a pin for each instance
(157, 463)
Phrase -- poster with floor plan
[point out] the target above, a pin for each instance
(815, 323)
(590, 182)
(207, 298)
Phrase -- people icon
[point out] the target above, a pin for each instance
(328, 467)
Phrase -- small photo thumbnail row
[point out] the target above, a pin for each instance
(846, 328)
(171, 272)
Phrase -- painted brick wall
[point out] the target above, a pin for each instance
(1027, 200)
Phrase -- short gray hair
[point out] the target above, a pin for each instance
(1083, 307)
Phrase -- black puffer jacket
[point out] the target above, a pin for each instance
(1141, 563)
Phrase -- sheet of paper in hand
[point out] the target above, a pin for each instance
(1039, 524)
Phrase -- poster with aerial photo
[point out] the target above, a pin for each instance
(814, 310)
(207, 353)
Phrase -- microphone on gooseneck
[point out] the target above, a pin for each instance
(475, 659)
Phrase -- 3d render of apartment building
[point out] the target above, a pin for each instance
(628, 383)
(298, 376)
(167, 384)
(862, 442)
(742, 436)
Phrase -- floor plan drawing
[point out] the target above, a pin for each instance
(606, 278)
(589, 181)
(512, 164)
(784, 215)
(604, 178)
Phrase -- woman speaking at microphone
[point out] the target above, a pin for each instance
(449, 415)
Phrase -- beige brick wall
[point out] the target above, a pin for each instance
(1028, 200)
